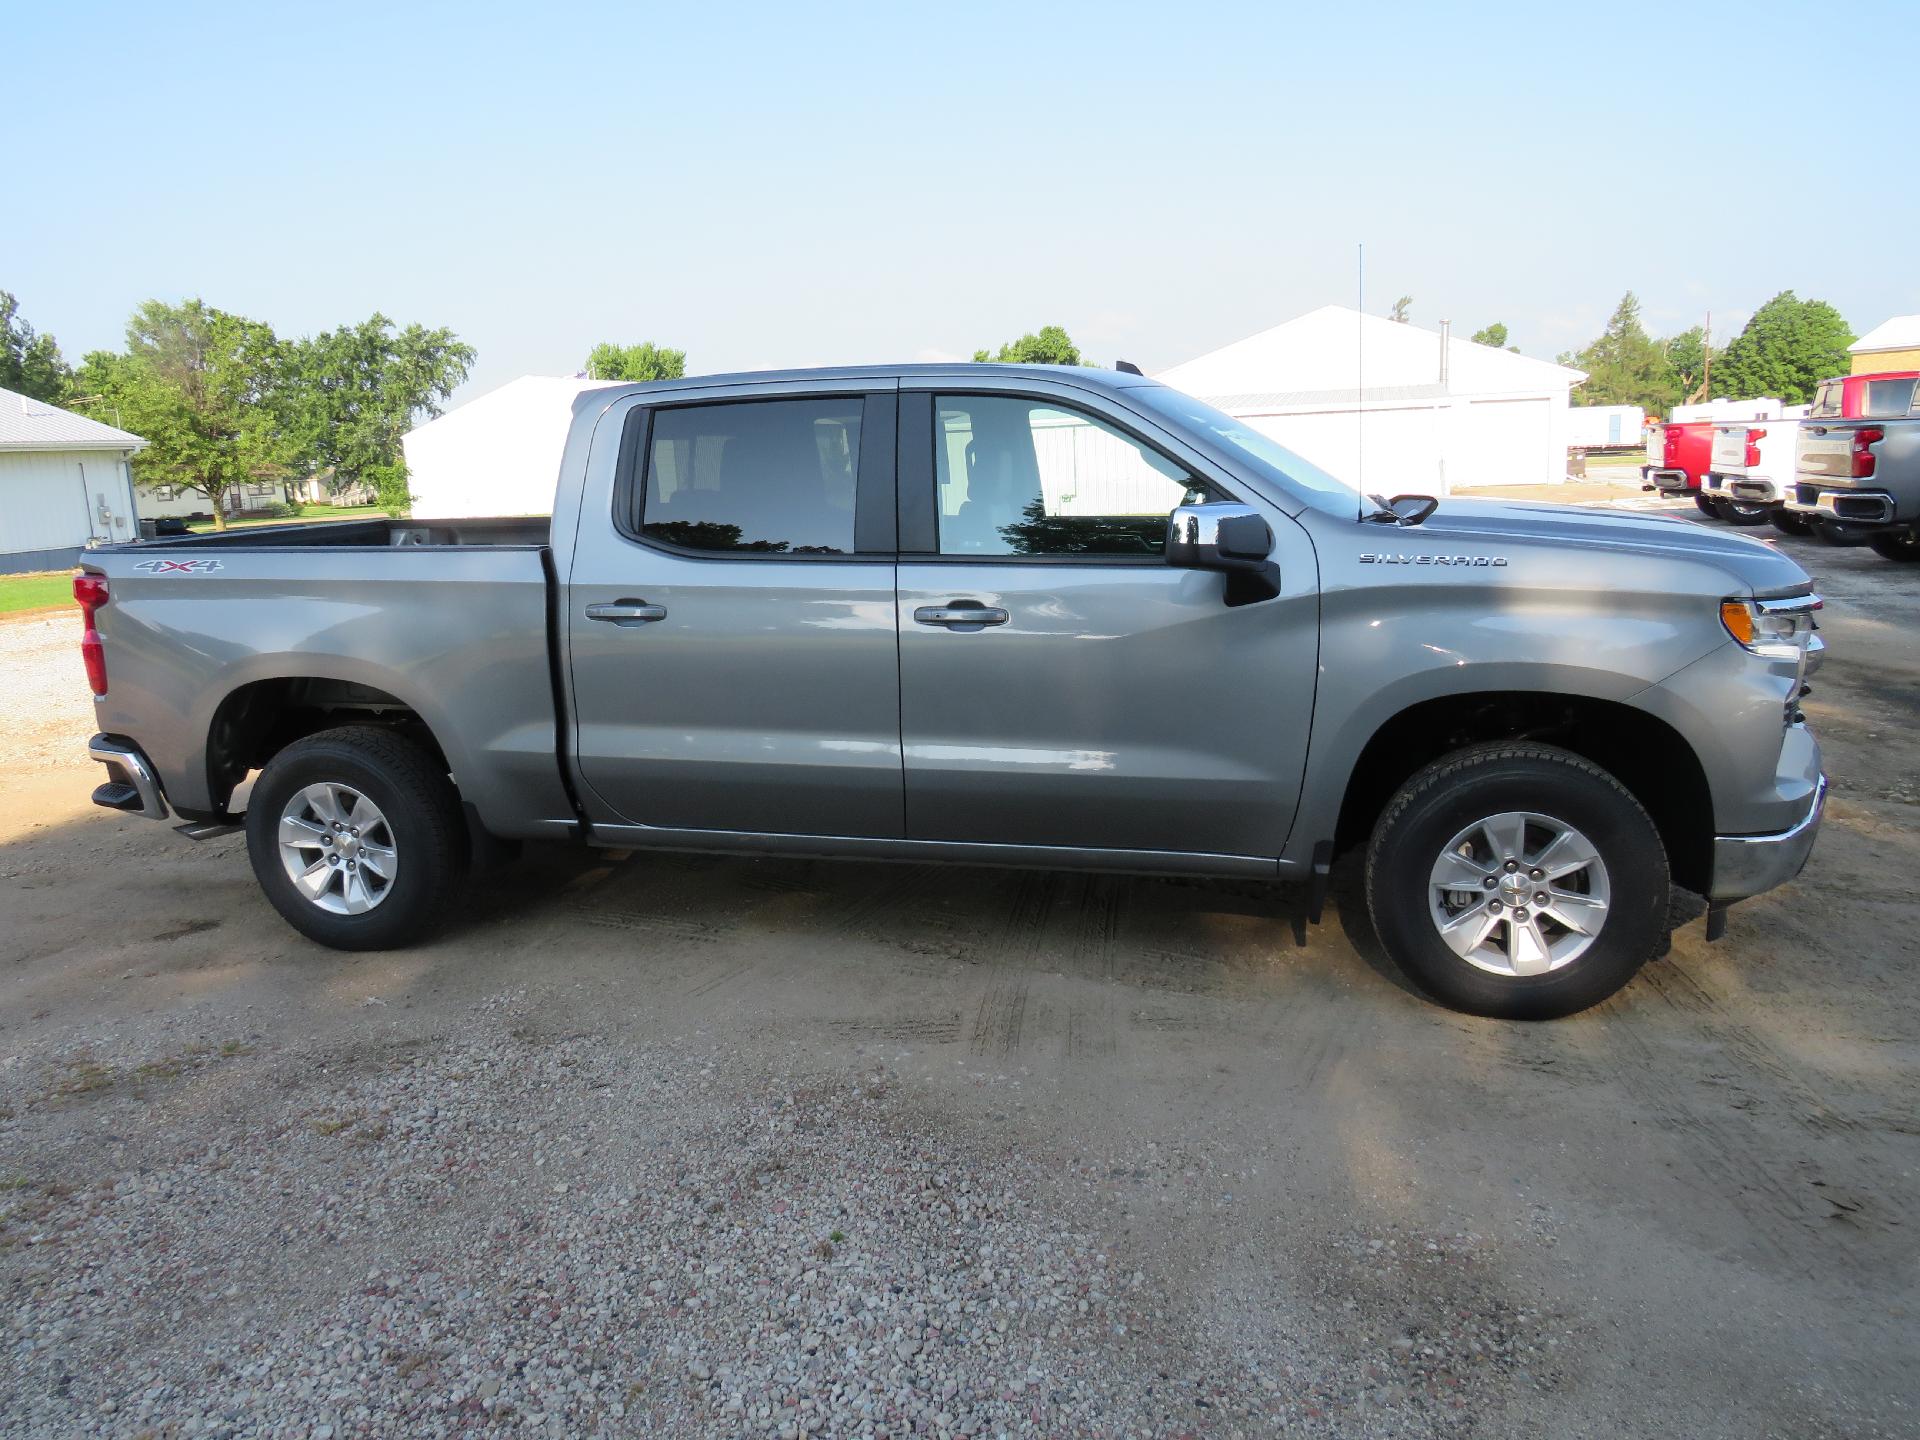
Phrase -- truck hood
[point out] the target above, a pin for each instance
(1757, 564)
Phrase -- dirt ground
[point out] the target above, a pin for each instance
(256, 1187)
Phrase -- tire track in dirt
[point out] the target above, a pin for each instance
(1101, 916)
(1001, 1016)
(1730, 1158)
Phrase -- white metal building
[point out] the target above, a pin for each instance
(64, 480)
(1390, 406)
(497, 455)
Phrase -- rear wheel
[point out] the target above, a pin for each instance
(356, 837)
(1789, 522)
(1742, 512)
(1707, 506)
(1897, 544)
(1517, 881)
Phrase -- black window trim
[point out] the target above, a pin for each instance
(874, 483)
(920, 483)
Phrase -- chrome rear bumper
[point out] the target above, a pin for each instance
(1745, 865)
(131, 784)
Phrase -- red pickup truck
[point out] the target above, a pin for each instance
(1679, 452)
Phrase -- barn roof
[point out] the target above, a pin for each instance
(29, 424)
(1334, 348)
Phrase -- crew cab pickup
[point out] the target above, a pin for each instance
(1026, 616)
(1864, 475)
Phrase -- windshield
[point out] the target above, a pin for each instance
(1294, 472)
(1826, 401)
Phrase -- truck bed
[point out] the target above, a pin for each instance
(448, 619)
(338, 534)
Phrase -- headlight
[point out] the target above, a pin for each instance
(1776, 629)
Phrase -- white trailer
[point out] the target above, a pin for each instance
(1604, 427)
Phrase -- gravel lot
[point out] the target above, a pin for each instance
(694, 1146)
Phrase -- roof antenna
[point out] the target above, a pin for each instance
(1360, 392)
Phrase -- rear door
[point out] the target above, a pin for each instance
(1061, 685)
(731, 623)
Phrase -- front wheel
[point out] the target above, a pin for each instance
(356, 837)
(1897, 544)
(1518, 881)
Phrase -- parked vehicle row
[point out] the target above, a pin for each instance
(1027, 616)
(1847, 471)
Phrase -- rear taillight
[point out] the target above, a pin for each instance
(91, 592)
(1754, 437)
(1863, 458)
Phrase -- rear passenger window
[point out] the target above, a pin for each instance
(759, 477)
(1887, 398)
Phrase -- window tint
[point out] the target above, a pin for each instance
(1887, 398)
(761, 477)
(1826, 400)
(1017, 477)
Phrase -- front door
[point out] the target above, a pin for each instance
(1060, 685)
(731, 632)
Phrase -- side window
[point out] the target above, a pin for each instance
(1021, 477)
(754, 477)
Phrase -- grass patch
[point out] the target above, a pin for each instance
(307, 512)
(40, 591)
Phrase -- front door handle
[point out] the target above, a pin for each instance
(961, 615)
(627, 612)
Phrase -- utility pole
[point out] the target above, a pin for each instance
(1706, 360)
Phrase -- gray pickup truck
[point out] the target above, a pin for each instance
(1008, 615)
(1863, 476)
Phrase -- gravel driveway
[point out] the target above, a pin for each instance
(688, 1146)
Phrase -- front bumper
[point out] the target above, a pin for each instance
(1745, 865)
(131, 785)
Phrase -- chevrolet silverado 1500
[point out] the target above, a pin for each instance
(991, 614)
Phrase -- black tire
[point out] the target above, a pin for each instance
(420, 807)
(1742, 512)
(1789, 522)
(1485, 780)
(1708, 506)
(1838, 532)
(1897, 544)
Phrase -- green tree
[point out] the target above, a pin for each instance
(350, 394)
(645, 361)
(1687, 358)
(1625, 366)
(1400, 309)
(1051, 346)
(30, 364)
(1496, 336)
(200, 386)
(1787, 348)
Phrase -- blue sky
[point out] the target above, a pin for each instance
(790, 184)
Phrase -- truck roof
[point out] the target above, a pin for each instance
(1087, 375)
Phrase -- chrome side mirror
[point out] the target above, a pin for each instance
(1231, 538)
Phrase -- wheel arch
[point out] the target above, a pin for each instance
(262, 715)
(1646, 754)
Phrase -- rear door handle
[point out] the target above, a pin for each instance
(961, 615)
(627, 612)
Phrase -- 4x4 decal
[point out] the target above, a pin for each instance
(178, 567)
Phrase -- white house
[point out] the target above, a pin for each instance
(496, 455)
(64, 480)
(1392, 407)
